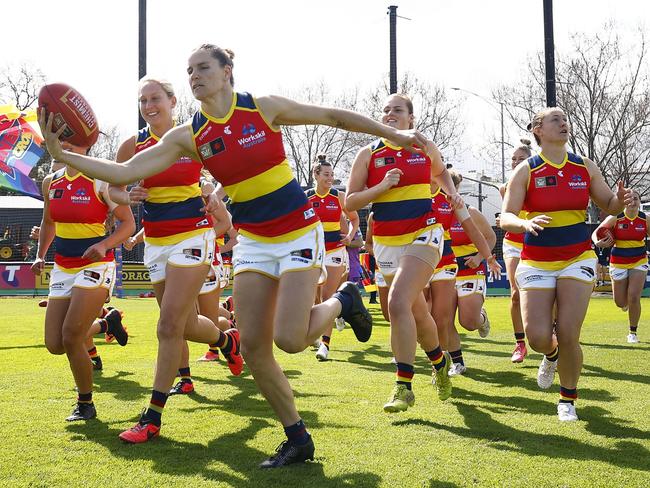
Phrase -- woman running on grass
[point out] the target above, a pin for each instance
(74, 212)
(279, 257)
(557, 261)
(628, 265)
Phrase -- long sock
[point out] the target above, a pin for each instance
(325, 340)
(103, 326)
(297, 433)
(568, 395)
(457, 357)
(405, 374)
(224, 343)
(92, 352)
(156, 406)
(553, 355)
(346, 302)
(185, 374)
(520, 337)
(85, 397)
(633, 329)
(437, 358)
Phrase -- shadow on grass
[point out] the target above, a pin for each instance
(511, 403)
(178, 458)
(247, 400)
(590, 370)
(599, 422)
(364, 358)
(481, 426)
(441, 484)
(515, 378)
(119, 386)
(34, 346)
(620, 347)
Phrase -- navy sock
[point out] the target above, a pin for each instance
(297, 433)
(457, 357)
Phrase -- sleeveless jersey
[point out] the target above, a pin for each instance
(463, 247)
(328, 209)
(246, 155)
(629, 250)
(516, 239)
(444, 215)
(172, 211)
(562, 193)
(79, 214)
(404, 211)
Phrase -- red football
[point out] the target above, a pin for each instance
(602, 232)
(70, 108)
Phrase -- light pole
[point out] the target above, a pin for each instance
(503, 148)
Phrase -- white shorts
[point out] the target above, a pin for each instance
(214, 280)
(510, 251)
(531, 278)
(618, 274)
(101, 275)
(444, 274)
(380, 281)
(195, 251)
(388, 257)
(275, 259)
(471, 285)
(337, 257)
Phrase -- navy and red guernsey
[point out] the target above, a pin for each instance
(404, 211)
(562, 193)
(172, 211)
(629, 250)
(246, 155)
(328, 209)
(79, 214)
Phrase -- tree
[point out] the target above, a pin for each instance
(304, 143)
(107, 143)
(186, 107)
(436, 115)
(604, 88)
(19, 85)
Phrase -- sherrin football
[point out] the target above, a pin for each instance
(70, 108)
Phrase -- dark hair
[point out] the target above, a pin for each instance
(321, 161)
(224, 56)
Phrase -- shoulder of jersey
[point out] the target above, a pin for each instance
(378, 144)
(574, 158)
(58, 174)
(143, 135)
(535, 161)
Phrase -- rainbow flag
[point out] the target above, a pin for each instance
(20, 150)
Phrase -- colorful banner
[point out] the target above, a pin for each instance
(20, 150)
(16, 276)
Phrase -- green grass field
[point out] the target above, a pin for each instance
(498, 429)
